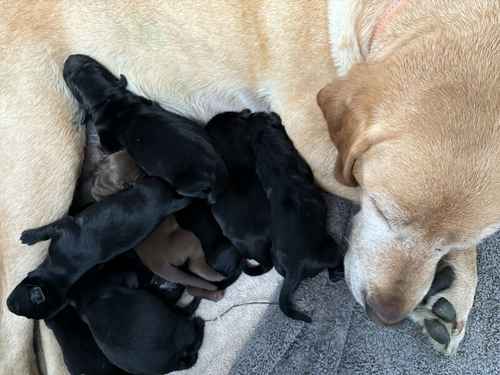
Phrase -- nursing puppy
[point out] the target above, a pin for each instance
(242, 209)
(301, 246)
(80, 351)
(169, 247)
(162, 143)
(95, 235)
(221, 255)
(148, 336)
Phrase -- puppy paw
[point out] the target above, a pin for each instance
(31, 237)
(443, 315)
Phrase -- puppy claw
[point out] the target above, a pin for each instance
(444, 310)
(36, 295)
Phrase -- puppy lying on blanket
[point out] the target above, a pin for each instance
(242, 209)
(221, 254)
(301, 246)
(162, 143)
(168, 247)
(81, 353)
(97, 234)
(147, 337)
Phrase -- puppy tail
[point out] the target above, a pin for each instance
(333, 260)
(290, 284)
(255, 270)
(44, 233)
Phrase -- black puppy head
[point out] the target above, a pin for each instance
(89, 81)
(266, 118)
(34, 300)
(231, 135)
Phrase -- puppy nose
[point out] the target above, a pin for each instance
(385, 310)
(73, 63)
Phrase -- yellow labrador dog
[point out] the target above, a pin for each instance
(414, 112)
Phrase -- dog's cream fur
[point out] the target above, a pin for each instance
(416, 120)
(431, 85)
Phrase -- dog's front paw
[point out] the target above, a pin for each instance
(443, 315)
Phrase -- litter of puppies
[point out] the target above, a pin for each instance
(195, 203)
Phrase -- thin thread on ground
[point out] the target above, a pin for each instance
(239, 305)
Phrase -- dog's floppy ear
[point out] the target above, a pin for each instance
(347, 106)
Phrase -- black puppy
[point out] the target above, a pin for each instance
(80, 351)
(135, 329)
(162, 143)
(301, 246)
(220, 253)
(242, 209)
(97, 234)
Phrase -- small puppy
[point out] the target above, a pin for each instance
(80, 351)
(162, 143)
(97, 234)
(301, 246)
(147, 336)
(221, 254)
(242, 209)
(168, 247)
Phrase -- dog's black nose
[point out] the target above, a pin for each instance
(73, 63)
(385, 311)
(13, 305)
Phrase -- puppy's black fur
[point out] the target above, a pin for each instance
(301, 246)
(80, 351)
(162, 143)
(97, 234)
(135, 329)
(220, 253)
(242, 209)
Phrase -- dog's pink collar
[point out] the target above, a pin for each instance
(389, 13)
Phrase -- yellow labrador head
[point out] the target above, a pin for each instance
(425, 150)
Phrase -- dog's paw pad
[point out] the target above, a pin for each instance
(445, 310)
(36, 295)
(437, 331)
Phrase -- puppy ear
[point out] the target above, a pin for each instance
(347, 106)
(122, 83)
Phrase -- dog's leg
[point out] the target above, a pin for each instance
(176, 275)
(445, 310)
(200, 267)
(44, 233)
(290, 285)
(207, 294)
